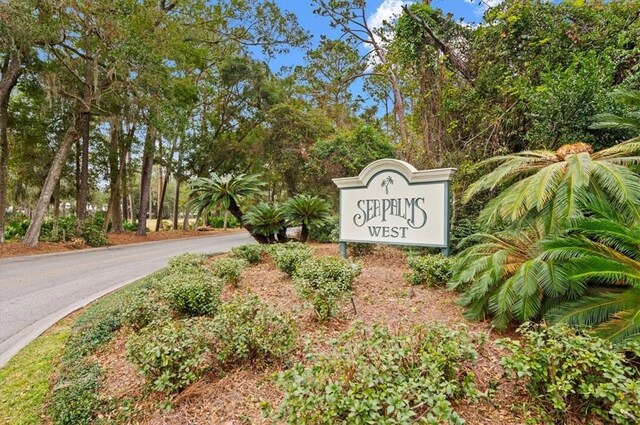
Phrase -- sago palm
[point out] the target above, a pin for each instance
(267, 220)
(603, 253)
(548, 183)
(226, 192)
(502, 276)
(306, 210)
(630, 121)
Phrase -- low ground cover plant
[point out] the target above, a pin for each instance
(229, 269)
(378, 376)
(170, 356)
(249, 252)
(74, 396)
(430, 270)
(289, 256)
(246, 329)
(572, 373)
(324, 281)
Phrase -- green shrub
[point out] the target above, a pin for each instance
(324, 281)
(431, 270)
(248, 330)
(249, 252)
(193, 293)
(16, 229)
(171, 356)
(568, 371)
(380, 377)
(325, 232)
(229, 269)
(93, 234)
(218, 222)
(460, 231)
(188, 260)
(142, 309)
(288, 256)
(129, 226)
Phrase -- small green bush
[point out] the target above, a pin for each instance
(142, 309)
(571, 372)
(229, 269)
(380, 377)
(171, 356)
(188, 260)
(325, 232)
(93, 234)
(460, 231)
(218, 222)
(129, 226)
(248, 330)
(193, 293)
(289, 256)
(249, 252)
(430, 270)
(324, 281)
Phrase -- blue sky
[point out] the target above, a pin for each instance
(469, 10)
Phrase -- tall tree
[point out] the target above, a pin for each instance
(351, 18)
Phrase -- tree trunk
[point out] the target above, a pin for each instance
(56, 211)
(176, 202)
(235, 211)
(114, 213)
(125, 159)
(83, 192)
(145, 181)
(161, 196)
(11, 71)
(33, 232)
(304, 233)
(185, 222)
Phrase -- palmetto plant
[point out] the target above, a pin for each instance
(267, 220)
(602, 253)
(226, 192)
(306, 210)
(548, 183)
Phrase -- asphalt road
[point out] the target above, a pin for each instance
(37, 291)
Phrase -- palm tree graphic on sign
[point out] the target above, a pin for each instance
(386, 182)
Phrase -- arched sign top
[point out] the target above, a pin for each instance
(407, 170)
(392, 202)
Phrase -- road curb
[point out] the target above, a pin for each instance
(21, 339)
(109, 248)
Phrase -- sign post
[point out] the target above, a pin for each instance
(390, 202)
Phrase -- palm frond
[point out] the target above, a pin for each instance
(615, 315)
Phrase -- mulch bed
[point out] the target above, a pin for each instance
(16, 249)
(381, 296)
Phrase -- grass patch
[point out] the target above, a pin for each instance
(24, 380)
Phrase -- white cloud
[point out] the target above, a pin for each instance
(387, 10)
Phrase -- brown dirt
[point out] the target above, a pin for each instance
(381, 296)
(16, 249)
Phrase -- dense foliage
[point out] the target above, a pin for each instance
(324, 281)
(431, 270)
(378, 376)
(575, 374)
